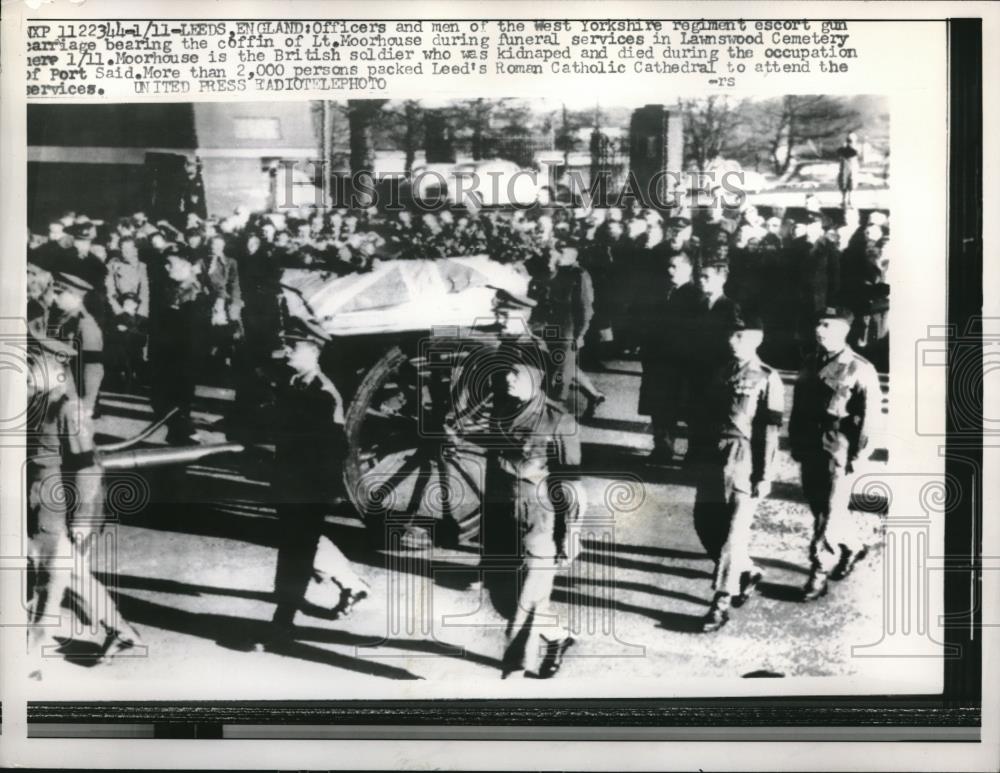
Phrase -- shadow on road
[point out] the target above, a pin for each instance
(231, 632)
(779, 592)
(671, 621)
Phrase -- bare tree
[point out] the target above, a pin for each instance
(710, 129)
(361, 115)
(786, 123)
(403, 128)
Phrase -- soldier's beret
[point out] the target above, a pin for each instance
(746, 320)
(298, 329)
(835, 312)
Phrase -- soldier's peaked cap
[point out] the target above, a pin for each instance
(835, 312)
(72, 272)
(746, 320)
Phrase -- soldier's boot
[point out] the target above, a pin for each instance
(555, 651)
(663, 451)
(119, 641)
(593, 403)
(352, 596)
(848, 560)
(717, 615)
(816, 587)
(748, 584)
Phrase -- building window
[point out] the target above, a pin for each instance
(257, 128)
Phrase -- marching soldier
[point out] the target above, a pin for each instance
(60, 459)
(745, 403)
(836, 396)
(671, 308)
(177, 339)
(72, 321)
(526, 515)
(710, 346)
(309, 445)
(566, 311)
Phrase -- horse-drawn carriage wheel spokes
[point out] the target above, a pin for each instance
(408, 463)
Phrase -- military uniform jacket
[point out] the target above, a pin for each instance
(309, 442)
(61, 445)
(746, 403)
(82, 330)
(710, 341)
(539, 450)
(835, 398)
(569, 302)
(670, 316)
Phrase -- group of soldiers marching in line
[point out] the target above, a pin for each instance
(699, 349)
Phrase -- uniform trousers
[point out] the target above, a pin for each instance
(724, 511)
(82, 548)
(827, 487)
(521, 551)
(301, 526)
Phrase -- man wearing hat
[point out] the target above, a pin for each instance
(837, 394)
(40, 265)
(178, 336)
(565, 316)
(83, 232)
(309, 452)
(527, 516)
(743, 411)
(709, 344)
(60, 458)
(72, 321)
(816, 262)
(672, 304)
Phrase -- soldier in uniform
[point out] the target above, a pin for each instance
(72, 321)
(836, 396)
(40, 265)
(176, 343)
(567, 309)
(710, 347)
(816, 262)
(60, 459)
(309, 447)
(527, 511)
(744, 409)
(669, 313)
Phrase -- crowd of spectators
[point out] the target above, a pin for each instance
(174, 305)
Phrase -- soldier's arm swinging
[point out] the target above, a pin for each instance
(767, 421)
(866, 400)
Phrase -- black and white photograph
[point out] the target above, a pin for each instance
(466, 392)
(490, 386)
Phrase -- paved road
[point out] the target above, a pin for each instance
(195, 574)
